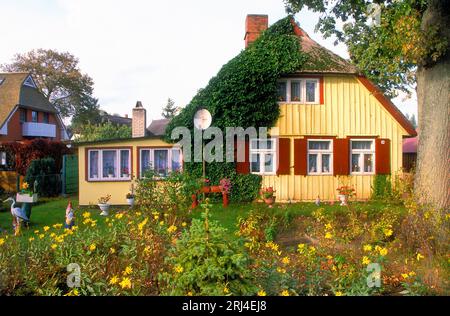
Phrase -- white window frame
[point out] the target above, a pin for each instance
(361, 153)
(262, 153)
(100, 176)
(302, 81)
(319, 153)
(152, 158)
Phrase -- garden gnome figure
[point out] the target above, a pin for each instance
(70, 217)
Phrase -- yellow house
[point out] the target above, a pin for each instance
(108, 167)
(335, 128)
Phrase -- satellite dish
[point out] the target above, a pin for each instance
(202, 119)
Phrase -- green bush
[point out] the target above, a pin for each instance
(382, 187)
(206, 260)
(45, 173)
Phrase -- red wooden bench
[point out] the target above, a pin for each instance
(210, 189)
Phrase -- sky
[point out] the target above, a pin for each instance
(145, 50)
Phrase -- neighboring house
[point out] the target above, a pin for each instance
(115, 119)
(106, 167)
(410, 153)
(335, 128)
(25, 113)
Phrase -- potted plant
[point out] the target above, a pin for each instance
(267, 194)
(225, 187)
(27, 195)
(103, 204)
(130, 199)
(344, 193)
(125, 172)
(110, 171)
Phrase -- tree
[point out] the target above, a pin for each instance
(412, 119)
(88, 112)
(105, 131)
(58, 77)
(170, 110)
(407, 46)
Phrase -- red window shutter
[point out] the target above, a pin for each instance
(382, 156)
(244, 166)
(341, 156)
(284, 156)
(300, 157)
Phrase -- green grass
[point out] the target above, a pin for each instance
(52, 211)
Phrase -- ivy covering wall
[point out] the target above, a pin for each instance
(244, 93)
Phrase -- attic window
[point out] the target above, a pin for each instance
(29, 82)
(299, 90)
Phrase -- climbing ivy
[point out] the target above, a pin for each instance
(244, 92)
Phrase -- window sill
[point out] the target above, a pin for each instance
(319, 174)
(109, 180)
(298, 102)
(362, 173)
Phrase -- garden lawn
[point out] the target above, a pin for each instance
(228, 217)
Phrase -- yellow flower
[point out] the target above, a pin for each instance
(86, 215)
(46, 228)
(189, 293)
(119, 215)
(179, 269)
(405, 275)
(367, 248)
(36, 231)
(52, 235)
(156, 217)
(126, 283)
(161, 223)
(172, 229)
(226, 290)
(383, 252)
(412, 273)
(41, 236)
(25, 186)
(285, 293)
(328, 226)
(387, 232)
(338, 293)
(142, 224)
(128, 270)
(184, 224)
(147, 249)
(53, 246)
(281, 270)
(329, 257)
(2, 241)
(312, 249)
(301, 247)
(92, 247)
(56, 226)
(261, 293)
(74, 228)
(328, 235)
(285, 260)
(86, 221)
(73, 292)
(112, 250)
(138, 213)
(30, 239)
(419, 256)
(365, 260)
(113, 280)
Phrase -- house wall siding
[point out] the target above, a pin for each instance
(349, 109)
(90, 192)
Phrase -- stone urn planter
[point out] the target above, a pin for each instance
(104, 208)
(269, 201)
(130, 202)
(344, 199)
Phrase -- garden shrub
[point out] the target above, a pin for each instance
(44, 172)
(382, 187)
(206, 260)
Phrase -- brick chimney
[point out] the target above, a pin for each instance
(139, 121)
(254, 25)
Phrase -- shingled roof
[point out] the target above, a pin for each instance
(158, 127)
(13, 93)
(321, 60)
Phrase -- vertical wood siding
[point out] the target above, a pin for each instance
(349, 109)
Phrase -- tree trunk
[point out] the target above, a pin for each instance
(432, 183)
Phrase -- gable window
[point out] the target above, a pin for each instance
(109, 164)
(23, 115)
(162, 161)
(34, 116)
(45, 118)
(304, 90)
(362, 156)
(29, 82)
(320, 157)
(262, 156)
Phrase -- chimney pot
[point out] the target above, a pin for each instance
(254, 25)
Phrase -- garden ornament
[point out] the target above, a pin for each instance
(317, 201)
(18, 214)
(70, 217)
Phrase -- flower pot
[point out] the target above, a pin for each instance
(344, 199)
(26, 198)
(104, 208)
(269, 201)
(130, 202)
